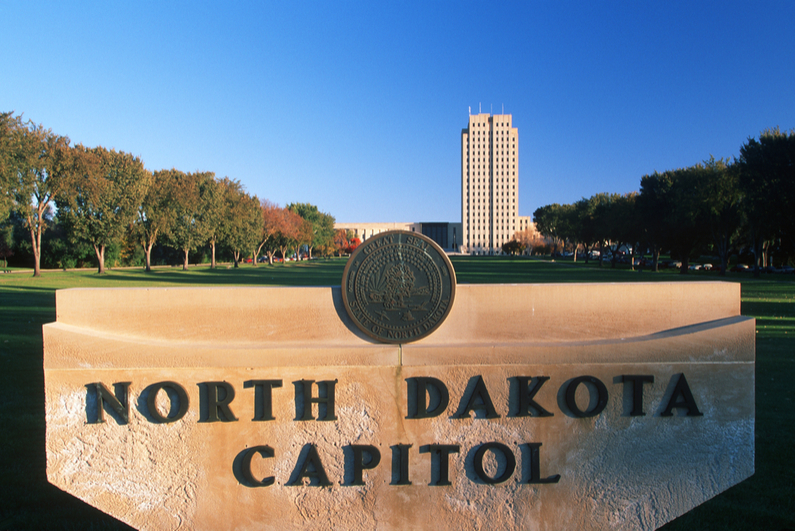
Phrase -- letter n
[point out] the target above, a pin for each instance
(117, 402)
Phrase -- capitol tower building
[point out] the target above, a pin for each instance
(489, 184)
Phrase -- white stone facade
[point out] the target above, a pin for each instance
(489, 183)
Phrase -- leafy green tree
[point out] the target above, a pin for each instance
(655, 202)
(550, 222)
(622, 222)
(241, 224)
(213, 205)
(722, 198)
(583, 225)
(9, 124)
(602, 220)
(688, 217)
(190, 229)
(103, 197)
(36, 165)
(6, 242)
(322, 225)
(512, 247)
(767, 181)
(155, 214)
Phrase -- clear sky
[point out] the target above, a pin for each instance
(357, 107)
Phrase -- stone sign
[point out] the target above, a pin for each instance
(590, 406)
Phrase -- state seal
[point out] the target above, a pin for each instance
(398, 286)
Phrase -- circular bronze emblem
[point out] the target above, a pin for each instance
(398, 286)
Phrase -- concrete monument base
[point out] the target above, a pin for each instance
(607, 406)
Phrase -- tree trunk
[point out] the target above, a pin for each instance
(36, 250)
(148, 253)
(185, 261)
(685, 263)
(212, 261)
(236, 258)
(655, 259)
(100, 250)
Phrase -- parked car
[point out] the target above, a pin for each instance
(740, 268)
(787, 269)
(694, 267)
(707, 267)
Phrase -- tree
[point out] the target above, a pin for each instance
(190, 228)
(767, 181)
(290, 232)
(241, 224)
(340, 241)
(6, 242)
(655, 201)
(9, 125)
(36, 163)
(212, 197)
(720, 189)
(512, 247)
(353, 243)
(530, 239)
(322, 225)
(687, 219)
(155, 214)
(583, 227)
(621, 224)
(273, 220)
(549, 222)
(103, 196)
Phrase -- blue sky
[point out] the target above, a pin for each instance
(358, 107)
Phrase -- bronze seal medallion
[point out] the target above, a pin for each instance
(398, 286)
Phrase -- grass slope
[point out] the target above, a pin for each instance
(764, 502)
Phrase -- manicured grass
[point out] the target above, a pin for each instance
(764, 502)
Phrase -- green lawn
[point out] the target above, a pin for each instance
(764, 502)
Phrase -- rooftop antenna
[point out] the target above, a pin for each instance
(503, 108)
(470, 110)
(491, 108)
(480, 111)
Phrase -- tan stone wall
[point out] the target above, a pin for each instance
(617, 470)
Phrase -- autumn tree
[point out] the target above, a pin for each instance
(353, 243)
(273, 219)
(530, 239)
(156, 213)
(35, 164)
(103, 196)
(290, 232)
(340, 241)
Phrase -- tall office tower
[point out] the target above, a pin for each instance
(489, 183)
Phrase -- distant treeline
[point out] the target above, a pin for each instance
(716, 208)
(64, 205)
